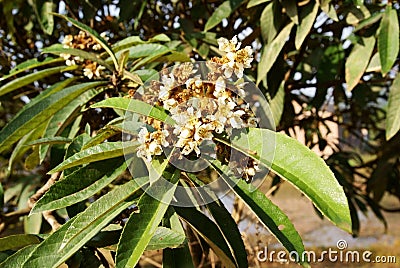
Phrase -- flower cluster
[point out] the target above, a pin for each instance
(201, 107)
(85, 42)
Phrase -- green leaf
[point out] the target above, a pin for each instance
(18, 241)
(374, 64)
(73, 189)
(27, 79)
(221, 12)
(64, 116)
(253, 3)
(393, 110)
(35, 114)
(388, 39)
(300, 166)
(16, 260)
(224, 221)
(165, 238)
(268, 213)
(43, 11)
(271, 52)
(209, 231)
(144, 50)
(100, 40)
(58, 49)
(30, 64)
(141, 226)
(51, 140)
(96, 153)
(135, 106)
(277, 103)
(55, 250)
(127, 42)
(270, 21)
(358, 61)
(160, 38)
(308, 14)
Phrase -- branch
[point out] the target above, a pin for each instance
(39, 193)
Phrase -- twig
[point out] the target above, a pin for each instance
(11, 217)
(39, 193)
(49, 217)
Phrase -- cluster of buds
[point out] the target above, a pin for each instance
(201, 107)
(85, 42)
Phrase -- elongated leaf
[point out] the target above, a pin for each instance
(16, 260)
(268, 213)
(53, 251)
(43, 9)
(222, 12)
(30, 64)
(100, 40)
(393, 110)
(27, 79)
(141, 226)
(301, 167)
(63, 117)
(358, 61)
(96, 153)
(271, 52)
(33, 116)
(80, 185)
(229, 229)
(224, 221)
(277, 103)
(307, 18)
(165, 238)
(253, 3)
(388, 39)
(144, 50)
(52, 140)
(270, 21)
(18, 241)
(135, 106)
(209, 231)
(127, 42)
(58, 49)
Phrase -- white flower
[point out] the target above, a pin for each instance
(236, 120)
(98, 70)
(67, 41)
(228, 45)
(88, 73)
(168, 82)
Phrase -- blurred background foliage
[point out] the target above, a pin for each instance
(329, 68)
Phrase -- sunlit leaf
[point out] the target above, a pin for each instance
(43, 11)
(27, 79)
(388, 39)
(34, 115)
(271, 52)
(268, 213)
(141, 226)
(314, 179)
(135, 106)
(18, 241)
(53, 251)
(73, 189)
(96, 153)
(358, 61)
(308, 15)
(221, 12)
